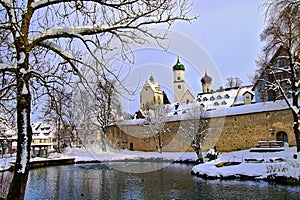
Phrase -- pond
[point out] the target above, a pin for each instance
(166, 181)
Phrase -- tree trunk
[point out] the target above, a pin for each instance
(19, 181)
(198, 151)
(103, 139)
(160, 143)
(296, 117)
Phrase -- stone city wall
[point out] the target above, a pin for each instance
(235, 133)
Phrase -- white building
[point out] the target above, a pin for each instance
(151, 94)
(43, 138)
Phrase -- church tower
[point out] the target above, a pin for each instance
(206, 83)
(179, 80)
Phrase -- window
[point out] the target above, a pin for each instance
(226, 96)
(212, 98)
(205, 99)
(224, 103)
(179, 87)
(247, 98)
(219, 97)
(278, 63)
(216, 104)
(178, 78)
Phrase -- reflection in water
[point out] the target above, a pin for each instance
(102, 181)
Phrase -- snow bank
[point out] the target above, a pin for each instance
(256, 165)
(84, 155)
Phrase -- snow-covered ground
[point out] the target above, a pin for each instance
(252, 164)
(81, 155)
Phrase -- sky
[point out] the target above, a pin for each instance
(224, 41)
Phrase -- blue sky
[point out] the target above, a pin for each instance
(224, 40)
(229, 32)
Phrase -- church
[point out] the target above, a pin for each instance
(151, 93)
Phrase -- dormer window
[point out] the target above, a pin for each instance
(219, 97)
(226, 96)
(224, 103)
(216, 104)
(205, 99)
(212, 98)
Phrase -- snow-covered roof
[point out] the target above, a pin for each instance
(155, 87)
(218, 99)
(240, 96)
(250, 108)
(43, 130)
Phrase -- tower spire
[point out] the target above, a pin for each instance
(205, 71)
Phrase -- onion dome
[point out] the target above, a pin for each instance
(178, 65)
(206, 79)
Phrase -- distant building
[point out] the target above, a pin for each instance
(7, 136)
(181, 94)
(43, 138)
(224, 98)
(151, 94)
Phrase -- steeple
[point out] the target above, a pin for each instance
(178, 65)
(206, 82)
(178, 80)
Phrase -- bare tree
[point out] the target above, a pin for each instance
(157, 128)
(59, 109)
(233, 82)
(108, 108)
(195, 127)
(43, 42)
(278, 63)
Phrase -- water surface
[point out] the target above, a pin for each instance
(103, 181)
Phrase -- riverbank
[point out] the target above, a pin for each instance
(276, 167)
(81, 155)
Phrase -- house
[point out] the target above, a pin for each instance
(277, 70)
(43, 138)
(223, 98)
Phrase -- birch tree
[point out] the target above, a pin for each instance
(43, 43)
(281, 72)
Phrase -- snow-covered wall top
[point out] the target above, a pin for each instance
(250, 108)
